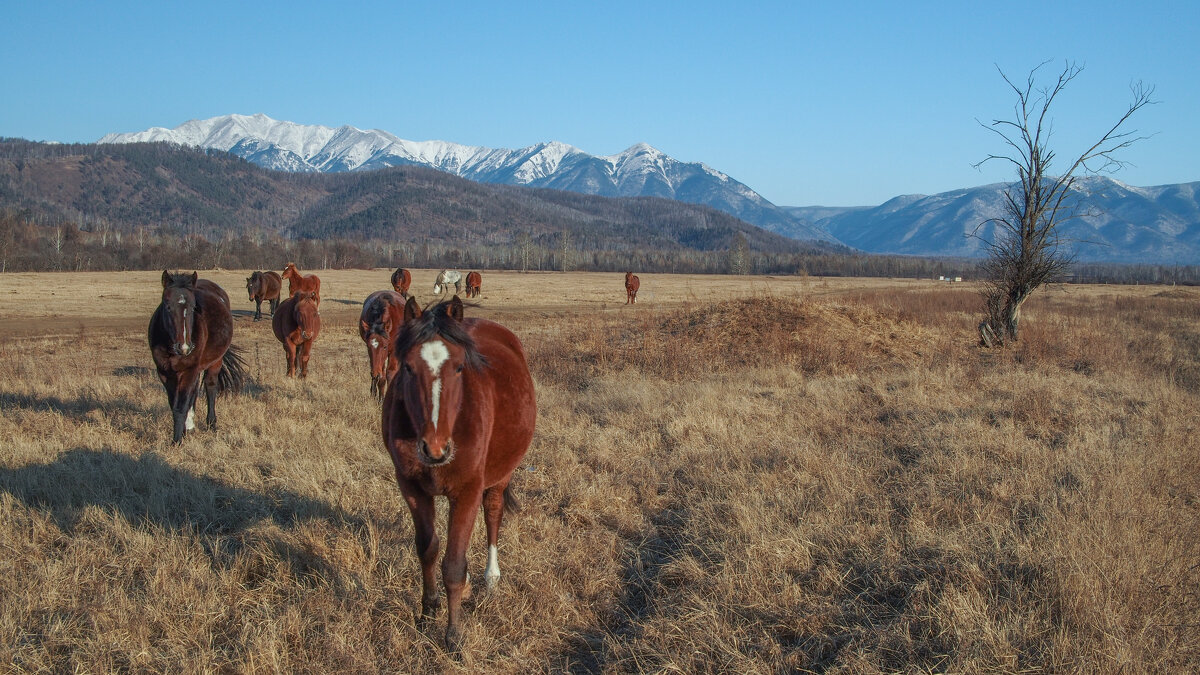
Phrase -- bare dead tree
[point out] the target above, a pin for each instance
(1027, 250)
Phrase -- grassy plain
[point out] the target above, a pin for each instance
(735, 475)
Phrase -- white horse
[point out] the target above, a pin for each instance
(445, 278)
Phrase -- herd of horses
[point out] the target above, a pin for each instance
(458, 401)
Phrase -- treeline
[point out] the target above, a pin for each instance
(28, 246)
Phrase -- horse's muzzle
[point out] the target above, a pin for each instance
(426, 454)
(182, 348)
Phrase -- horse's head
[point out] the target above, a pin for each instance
(289, 270)
(252, 284)
(179, 310)
(308, 319)
(376, 336)
(434, 349)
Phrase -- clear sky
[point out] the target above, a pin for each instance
(807, 103)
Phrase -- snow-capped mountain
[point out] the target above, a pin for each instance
(1116, 222)
(641, 170)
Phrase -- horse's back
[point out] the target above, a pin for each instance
(272, 285)
(382, 305)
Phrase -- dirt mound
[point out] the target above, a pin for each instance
(828, 337)
(817, 337)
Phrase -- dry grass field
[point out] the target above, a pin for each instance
(735, 475)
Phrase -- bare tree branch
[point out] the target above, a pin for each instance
(1026, 253)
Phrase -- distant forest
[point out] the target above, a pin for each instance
(155, 206)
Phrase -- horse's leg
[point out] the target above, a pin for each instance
(274, 304)
(210, 394)
(423, 511)
(289, 352)
(305, 349)
(257, 309)
(493, 514)
(186, 388)
(454, 564)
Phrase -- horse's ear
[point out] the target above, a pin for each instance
(454, 309)
(363, 325)
(412, 310)
(195, 278)
(166, 281)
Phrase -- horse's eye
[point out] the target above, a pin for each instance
(407, 369)
(459, 368)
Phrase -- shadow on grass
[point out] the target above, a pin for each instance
(151, 494)
(76, 409)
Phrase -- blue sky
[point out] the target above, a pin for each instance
(806, 103)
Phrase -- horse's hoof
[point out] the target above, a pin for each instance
(454, 639)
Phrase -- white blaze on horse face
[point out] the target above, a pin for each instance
(435, 354)
(374, 343)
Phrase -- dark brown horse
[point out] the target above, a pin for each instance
(457, 419)
(380, 321)
(189, 335)
(296, 325)
(401, 280)
(474, 282)
(632, 284)
(264, 286)
(302, 282)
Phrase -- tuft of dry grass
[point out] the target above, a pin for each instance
(826, 478)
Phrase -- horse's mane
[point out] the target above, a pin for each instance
(181, 280)
(436, 322)
(375, 313)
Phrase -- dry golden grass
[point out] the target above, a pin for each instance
(735, 475)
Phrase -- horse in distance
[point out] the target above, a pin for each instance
(297, 324)
(264, 286)
(457, 420)
(446, 277)
(632, 284)
(190, 336)
(474, 283)
(378, 324)
(302, 282)
(401, 281)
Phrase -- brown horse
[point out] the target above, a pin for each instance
(264, 286)
(380, 321)
(189, 335)
(401, 280)
(302, 282)
(632, 284)
(457, 419)
(474, 281)
(296, 325)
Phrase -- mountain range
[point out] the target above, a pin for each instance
(1115, 222)
(1118, 222)
(639, 171)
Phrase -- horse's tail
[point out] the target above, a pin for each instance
(511, 505)
(233, 371)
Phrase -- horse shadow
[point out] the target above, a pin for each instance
(77, 409)
(150, 494)
(341, 301)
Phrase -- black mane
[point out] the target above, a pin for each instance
(436, 322)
